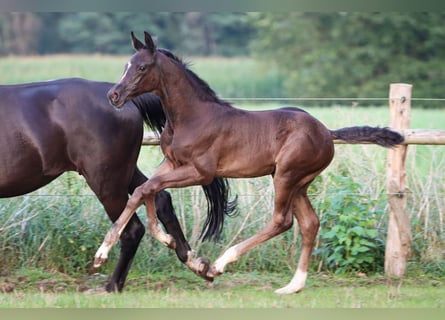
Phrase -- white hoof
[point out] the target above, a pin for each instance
(157, 233)
(296, 285)
(168, 241)
(230, 255)
(288, 290)
(101, 255)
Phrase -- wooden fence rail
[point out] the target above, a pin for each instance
(412, 136)
(399, 240)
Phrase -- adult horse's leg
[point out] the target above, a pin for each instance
(112, 188)
(130, 237)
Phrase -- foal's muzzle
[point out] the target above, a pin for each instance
(115, 98)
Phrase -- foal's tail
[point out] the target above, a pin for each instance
(217, 192)
(381, 136)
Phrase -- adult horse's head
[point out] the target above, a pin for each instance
(140, 74)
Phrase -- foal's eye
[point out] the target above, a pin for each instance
(142, 68)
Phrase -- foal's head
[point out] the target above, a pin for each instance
(140, 75)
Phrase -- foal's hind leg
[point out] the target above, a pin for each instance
(309, 224)
(282, 220)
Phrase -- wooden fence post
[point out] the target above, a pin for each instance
(399, 239)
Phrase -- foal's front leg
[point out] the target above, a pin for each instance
(119, 225)
(153, 226)
(198, 265)
(168, 177)
(133, 203)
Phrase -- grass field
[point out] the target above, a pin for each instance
(230, 77)
(49, 251)
(237, 290)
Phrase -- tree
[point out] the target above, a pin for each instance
(191, 33)
(216, 33)
(19, 33)
(353, 54)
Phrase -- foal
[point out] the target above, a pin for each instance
(205, 137)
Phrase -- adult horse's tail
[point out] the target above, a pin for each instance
(217, 192)
(380, 136)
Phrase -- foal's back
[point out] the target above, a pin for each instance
(261, 140)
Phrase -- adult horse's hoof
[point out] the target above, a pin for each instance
(96, 291)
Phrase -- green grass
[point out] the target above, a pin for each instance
(238, 77)
(232, 290)
(229, 77)
(41, 68)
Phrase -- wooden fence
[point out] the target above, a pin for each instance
(412, 136)
(399, 238)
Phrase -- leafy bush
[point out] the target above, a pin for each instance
(349, 236)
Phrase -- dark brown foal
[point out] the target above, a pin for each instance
(205, 137)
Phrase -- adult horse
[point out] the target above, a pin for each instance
(47, 128)
(205, 137)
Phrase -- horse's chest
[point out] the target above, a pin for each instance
(177, 152)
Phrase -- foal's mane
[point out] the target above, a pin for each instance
(201, 86)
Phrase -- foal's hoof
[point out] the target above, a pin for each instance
(204, 266)
(212, 273)
(199, 266)
(98, 261)
(101, 256)
(169, 242)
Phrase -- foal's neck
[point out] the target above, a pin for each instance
(178, 95)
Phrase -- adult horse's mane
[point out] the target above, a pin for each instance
(202, 87)
(150, 107)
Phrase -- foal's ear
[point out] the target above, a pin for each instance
(149, 43)
(137, 45)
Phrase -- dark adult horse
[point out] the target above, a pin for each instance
(206, 137)
(48, 128)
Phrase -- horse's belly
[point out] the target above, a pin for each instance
(245, 168)
(21, 171)
(16, 186)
